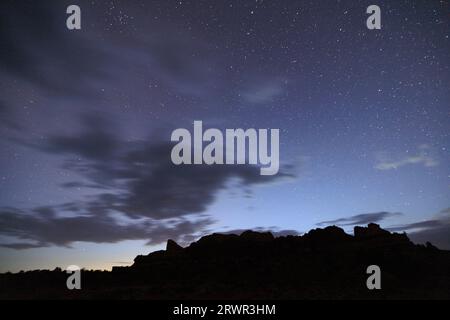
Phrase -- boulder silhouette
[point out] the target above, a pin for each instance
(321, 264)
(256, 236)
(380, 237)
(372, 230)
(331, 235)
(172, 246)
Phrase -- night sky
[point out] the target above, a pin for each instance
(86, 117)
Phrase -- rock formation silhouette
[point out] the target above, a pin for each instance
(321, 264)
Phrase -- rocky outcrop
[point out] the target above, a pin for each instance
(256, 236)
(380, 237)
(331, 235)
(173, 247)
(372, 230)
(323, 263)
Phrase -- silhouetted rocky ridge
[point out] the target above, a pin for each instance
(321, 264)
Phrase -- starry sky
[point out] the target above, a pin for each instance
(86, 117)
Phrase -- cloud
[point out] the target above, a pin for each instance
(6, 118)
(41, 51)
(185, 64)
(360, 219)
(141, 177)
(137, 181)
(422, 157)
(4, 114)
(263, 92)
(37, 229)
(438, 236)
(436, 230)
(95, 142)
(427, 224)
(20, 246)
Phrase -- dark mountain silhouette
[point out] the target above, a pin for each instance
(321, 264)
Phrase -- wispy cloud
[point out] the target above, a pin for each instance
(360, 219)
(423, 156)
(435, 230)
(263, 91)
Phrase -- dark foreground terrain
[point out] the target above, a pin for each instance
(322, 264)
